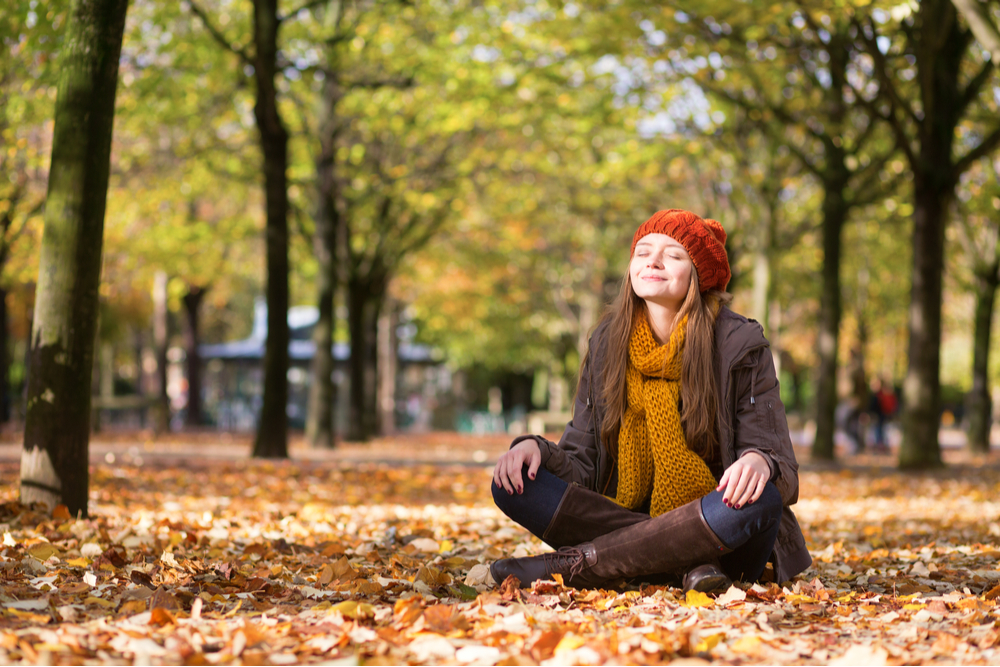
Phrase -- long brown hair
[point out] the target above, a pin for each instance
(699, 394)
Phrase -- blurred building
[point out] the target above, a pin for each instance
(233, 377)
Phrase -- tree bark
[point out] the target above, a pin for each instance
(364, 301)
(192, 307)
(322, 392)
(939, 52)
(922, 387)
(55, 459)
(388, 347)
(980, 405)
(835, 211)
(272, 428)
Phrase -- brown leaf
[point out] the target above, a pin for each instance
(133, 607)
(326, 574)
(343, 570)
(993, 593)
(433, 577)
(510, 589)
(333, 549)
(61, 513)
(255, 549)
(140, 578)
(256, 584)
(163, 600)
(443, 618)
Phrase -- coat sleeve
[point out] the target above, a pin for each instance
(761, 424)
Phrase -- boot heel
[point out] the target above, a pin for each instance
(706, 579)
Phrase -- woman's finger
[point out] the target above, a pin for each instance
(534, 460)
(739, 492)
(733, 472)
(723, 483)
(758, 489)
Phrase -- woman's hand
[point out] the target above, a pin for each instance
(744, 480)
(507, 472)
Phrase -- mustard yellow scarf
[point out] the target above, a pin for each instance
(653, 457)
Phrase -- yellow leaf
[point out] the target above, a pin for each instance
(798, 599)
(446, 545)
(354, 609)
(698, 599)
(913, 607)
(42, 551)
(107, 604)
(78, 562)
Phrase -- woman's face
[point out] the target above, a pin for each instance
(660, 271)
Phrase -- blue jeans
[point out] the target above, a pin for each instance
(749, 531)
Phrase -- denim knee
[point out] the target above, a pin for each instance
(735, 526)
(535, 506)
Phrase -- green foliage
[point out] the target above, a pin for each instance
(492, 159)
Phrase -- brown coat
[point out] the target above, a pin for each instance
(751, 418)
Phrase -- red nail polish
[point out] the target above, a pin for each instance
(737, 506)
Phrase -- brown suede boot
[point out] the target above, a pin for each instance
(670, 542)
(584, 515)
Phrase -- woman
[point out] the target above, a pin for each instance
(677, 460)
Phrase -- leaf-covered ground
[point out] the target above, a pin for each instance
(237, 562)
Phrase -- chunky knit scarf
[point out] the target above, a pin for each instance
(653, 457)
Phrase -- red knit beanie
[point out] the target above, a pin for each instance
(704, 240)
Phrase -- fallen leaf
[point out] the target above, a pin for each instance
(698, 599)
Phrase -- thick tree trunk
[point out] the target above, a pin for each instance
(192, 309)
(272, 428)
(322, 392)
(55, 459)
(980, 405)
(364, 301)
(922, 386)
(941, 49)
(834, 216)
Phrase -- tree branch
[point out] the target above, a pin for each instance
(217, 34)
(975, 85)
(981, 24)
(881, 71)
(985, 147)
(306, 6)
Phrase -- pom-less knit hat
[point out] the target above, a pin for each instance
(704, 240)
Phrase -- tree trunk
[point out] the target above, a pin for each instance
(322, 392)
(922, 387)
(940, 52)
(834, 216)
(980, 405)
(192, 305)
(388, 346)
(364, 301)
(55, 459)
(272, 428)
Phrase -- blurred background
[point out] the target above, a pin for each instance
(463, 180)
